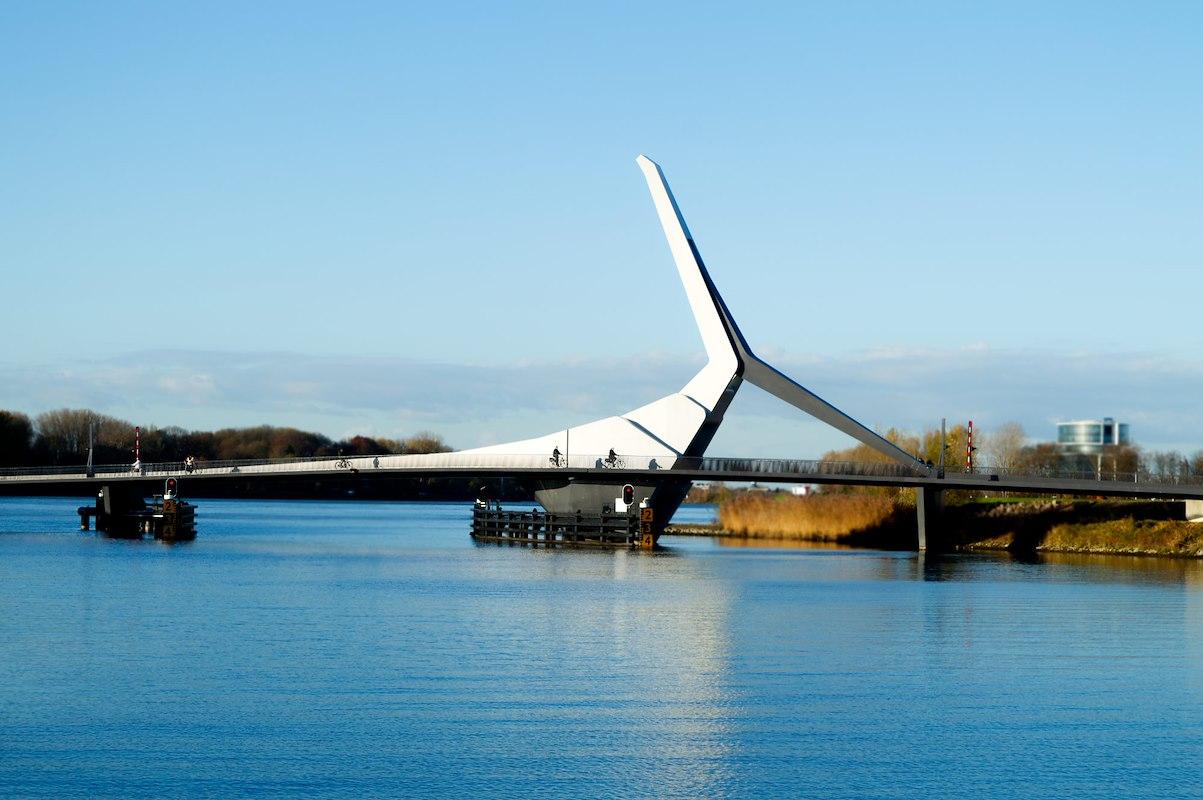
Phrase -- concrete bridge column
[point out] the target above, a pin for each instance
(929, 507)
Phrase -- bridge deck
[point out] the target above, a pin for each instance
(626, 468)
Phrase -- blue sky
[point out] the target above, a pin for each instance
(925, 210)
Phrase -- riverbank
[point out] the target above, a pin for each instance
(1077, 526)
(1022, 526)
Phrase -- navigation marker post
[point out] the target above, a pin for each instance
(647, 541)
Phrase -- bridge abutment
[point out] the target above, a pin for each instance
(929, 512)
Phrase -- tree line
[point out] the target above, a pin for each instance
(1006, 448)
(61, 438)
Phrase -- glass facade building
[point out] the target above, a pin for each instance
(1091, 436)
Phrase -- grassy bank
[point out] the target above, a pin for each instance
(1078, 526)
(1016, 525)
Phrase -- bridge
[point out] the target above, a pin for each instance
(583, 467)
(625, 469)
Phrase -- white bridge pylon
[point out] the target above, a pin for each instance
(682, 424)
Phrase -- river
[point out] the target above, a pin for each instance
(349, 649)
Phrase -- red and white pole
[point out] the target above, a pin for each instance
(138, 444)
(969, 449)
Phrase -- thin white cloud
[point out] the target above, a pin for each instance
(473, 404)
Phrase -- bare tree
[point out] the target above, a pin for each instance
(1166, 465)
(1004, 445)
(64, 434)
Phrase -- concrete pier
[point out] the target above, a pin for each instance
(929, 508)
(608, 529)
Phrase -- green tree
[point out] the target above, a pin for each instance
(862, 453)
(956, 439)
(1041, 459)
(16, 439)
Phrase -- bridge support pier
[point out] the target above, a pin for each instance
(929, 508)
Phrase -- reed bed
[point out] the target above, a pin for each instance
(820, 517)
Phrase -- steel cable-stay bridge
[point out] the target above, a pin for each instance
(672, 432)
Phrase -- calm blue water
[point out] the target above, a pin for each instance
(350, 649)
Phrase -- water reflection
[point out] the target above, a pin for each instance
(743, 542)
(352, 649)
(954, 566)
(1141, 568)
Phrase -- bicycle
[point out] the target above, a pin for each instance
(342, 463)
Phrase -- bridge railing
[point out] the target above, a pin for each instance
(1141, 476)
(799, 467)
(485, 463)
(151, 469)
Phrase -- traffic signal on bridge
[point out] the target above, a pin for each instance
(628, 495)
(169, 489)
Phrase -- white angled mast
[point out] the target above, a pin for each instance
(682, 424)
(719, 348)
(726, 348)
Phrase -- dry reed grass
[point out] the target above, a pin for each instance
(822, 517)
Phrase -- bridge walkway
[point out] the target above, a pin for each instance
(624, 468)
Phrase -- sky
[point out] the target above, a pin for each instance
(385, 217)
